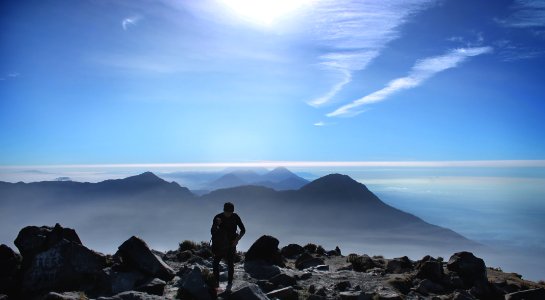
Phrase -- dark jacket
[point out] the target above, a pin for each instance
(228, 227)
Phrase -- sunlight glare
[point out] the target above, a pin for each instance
(264, 12)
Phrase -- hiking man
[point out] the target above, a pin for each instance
(225, 240)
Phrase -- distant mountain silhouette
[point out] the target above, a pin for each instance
(279, 179)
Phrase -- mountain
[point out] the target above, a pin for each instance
(279, 179)
(335, 204)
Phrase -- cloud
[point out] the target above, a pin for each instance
(526, 14)
(421, 71)
(132, 21)
(319, 124)
(354, 32)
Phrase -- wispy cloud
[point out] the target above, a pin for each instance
(354, 32)
(131, 21)
(526, 14)
(421, 71)
(10, 76)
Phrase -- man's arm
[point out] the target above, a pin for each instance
(215, 225)
(241, 226)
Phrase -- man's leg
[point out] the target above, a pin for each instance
(216, 267)
(231, 264)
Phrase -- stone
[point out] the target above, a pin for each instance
(132, 295)
(65, 296)
(137, 253)
(322, 268)
(401, 283)
(115, 282)
(533, 294)
(361, 263)
(399, 265)
(283, 280)
(471, 269)
(353, 295)
(194, 285)
(306, 260)
(154, 286)
(343, 285)
(292, 250)
(287, 293)
(184, 255)
(261, 269)
(427, 286)
(432, 270)
(247, 291)
(306, 275)
(32, 240)
(10, 264)
(265, 249)
(67, 266)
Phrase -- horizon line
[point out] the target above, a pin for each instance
(308, 164)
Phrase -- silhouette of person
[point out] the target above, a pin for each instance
(225, 240)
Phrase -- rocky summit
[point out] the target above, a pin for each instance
(52, 263)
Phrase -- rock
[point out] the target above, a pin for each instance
(306, 260)
(265, 285)
(292, 250)
(316, 297)
(10, 264)
(462, 295)
(32, 240)
(184, 255)
(266, 249)
(306, 276)
(283, 280)
(286, 293)
(402, 283)
(353, 295)
(387, 295)
(132, 295)
(427, 286)
(137, 253)
(154, 286)
(65, 296)
(312, 289)
(432, 270)
(261, 269)
(322, 268)
(67, 266)
(204, 253)
(343, 285)
(361, 263)
(399, 265)
(247, 291)
(533, 294)
(471, 269)
(195, 286)
(115, 282)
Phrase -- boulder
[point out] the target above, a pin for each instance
(10, 264)
(195, 286)
(132, 295)
(283, 280)
(427, 286)
(154, 286)
(260, 269)
(343, 285)
(432, 270)
(265, 249)
(136, 252)
(361, 263)
(287, 293)
(247, 291)
(32, 240)
(67, 266)
(401, 283)
(65, 296)
(533, 294)
(399, 265)
(306, 260)
(118, 281)
(292, 250)
(471, 269)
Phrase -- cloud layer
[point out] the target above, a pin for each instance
(421, 71)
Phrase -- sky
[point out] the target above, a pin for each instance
(136, 82)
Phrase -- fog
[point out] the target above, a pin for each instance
(504, 213)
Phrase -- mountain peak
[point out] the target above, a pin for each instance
(146, 177)
(336, 184)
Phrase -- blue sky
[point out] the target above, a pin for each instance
(91, 82)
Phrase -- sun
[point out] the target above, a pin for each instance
(264, 12)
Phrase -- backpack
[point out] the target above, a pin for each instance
(220, 243)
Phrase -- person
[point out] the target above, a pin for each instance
(225, 240)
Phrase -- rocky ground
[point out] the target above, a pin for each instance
(53, 264)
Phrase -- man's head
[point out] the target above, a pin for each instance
(228, 209)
